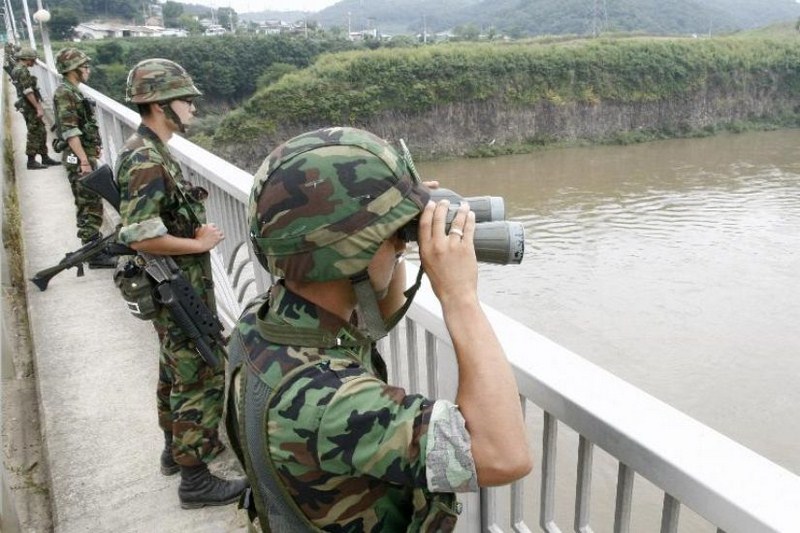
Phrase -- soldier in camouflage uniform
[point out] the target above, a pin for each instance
(9, 59)
(163, 214)
(327, 443)
(79, 140)
(29, 102)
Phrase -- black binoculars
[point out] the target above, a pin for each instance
(496, 240)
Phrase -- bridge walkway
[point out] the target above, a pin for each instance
(96, 367)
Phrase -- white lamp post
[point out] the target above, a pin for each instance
(42, 16)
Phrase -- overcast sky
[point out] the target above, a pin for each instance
(249, 6)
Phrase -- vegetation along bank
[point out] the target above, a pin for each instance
(492, 98)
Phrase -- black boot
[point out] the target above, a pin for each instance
(33, 164)
(168, 465)
(46, 160)
(199, 488)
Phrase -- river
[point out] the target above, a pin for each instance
(672, 264)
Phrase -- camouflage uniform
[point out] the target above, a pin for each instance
(155, 200)
(327, 443)
(26, 83)
(9, 59)
(75, 118)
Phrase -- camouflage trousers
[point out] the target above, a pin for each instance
(189, 396)
(88, 208)
(37, 134)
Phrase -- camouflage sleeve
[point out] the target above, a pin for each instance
(26, 81)
(449, 462)
(67, 106)
(377, 430)
(142, 192)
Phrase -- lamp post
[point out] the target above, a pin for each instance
(42, 16)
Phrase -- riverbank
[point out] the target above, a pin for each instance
(499, 98)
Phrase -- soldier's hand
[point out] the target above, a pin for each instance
(209, 236)
(449, 256)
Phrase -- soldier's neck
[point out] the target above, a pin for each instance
(335, 296)
(158, 124)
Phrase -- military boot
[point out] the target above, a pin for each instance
(168, 465)
(33, 164)
(199, 488)
(48, 161)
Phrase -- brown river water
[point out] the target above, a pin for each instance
(673, 264)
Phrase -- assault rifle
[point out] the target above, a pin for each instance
(82, 255)
(85, 253)
(171, 288)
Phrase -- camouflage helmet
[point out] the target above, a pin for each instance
(158, 80)
(69, 59)
(323, 202)
(27, 53)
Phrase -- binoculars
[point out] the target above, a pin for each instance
(496, 240)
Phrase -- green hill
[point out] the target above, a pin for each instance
(551, 17)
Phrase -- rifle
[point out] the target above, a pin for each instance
(172, 289)
(80, 256)
(85, 253)
(188, 311)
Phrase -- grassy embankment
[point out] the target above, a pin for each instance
(601, 78)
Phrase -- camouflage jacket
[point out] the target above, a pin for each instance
(354, 453)
(75, 117)
(155, 200)
(24, 81)
(9, 51)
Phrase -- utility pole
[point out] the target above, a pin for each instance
(424, 29)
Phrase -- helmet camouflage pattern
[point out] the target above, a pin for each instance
(27, 53)
(323, 202)
(69, 59)
(158, 80)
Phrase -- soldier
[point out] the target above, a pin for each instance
(9, 51)
(327, 443)
(30, 104)
(79, 140)
(163, 214)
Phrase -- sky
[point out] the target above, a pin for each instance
(249, 6)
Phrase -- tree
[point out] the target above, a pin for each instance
(62, 23)
(227, 18)
(402, 41)
(172, 12)
(273, 73)
(109, 52)
(190, 24)
(468, 32)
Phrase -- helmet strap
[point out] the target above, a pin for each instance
(172, 115)
(370, 313)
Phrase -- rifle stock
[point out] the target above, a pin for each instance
(101, 181)
(72, 259)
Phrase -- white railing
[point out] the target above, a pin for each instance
(607, 432)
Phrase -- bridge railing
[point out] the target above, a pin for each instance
(593, 434)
